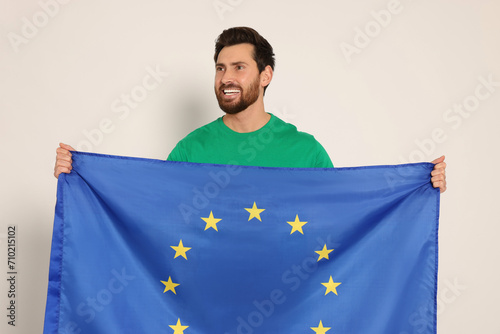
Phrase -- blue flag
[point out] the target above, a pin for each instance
(149, 246)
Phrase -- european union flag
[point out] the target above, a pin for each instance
(149, 246)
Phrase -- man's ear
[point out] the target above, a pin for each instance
(266, 76)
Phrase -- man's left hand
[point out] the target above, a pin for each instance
(438, 174)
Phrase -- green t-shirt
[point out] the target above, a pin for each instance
(276, 144)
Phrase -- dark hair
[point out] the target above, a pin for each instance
(263, 51)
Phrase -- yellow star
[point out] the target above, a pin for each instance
(169, 285)
(297, 225)
(331, 286)
(211, 222)
(180, 250)
(254, 212)
(323, 254)
(320, 329)
(178, 328)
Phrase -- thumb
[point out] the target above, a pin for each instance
(66, 147)
(438, 160)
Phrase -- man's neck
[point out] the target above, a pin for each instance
(251, 119)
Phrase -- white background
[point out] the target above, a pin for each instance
(387, 103)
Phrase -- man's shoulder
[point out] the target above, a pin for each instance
(202, 131)
(289, 129)
(294, 143)
(195, 141)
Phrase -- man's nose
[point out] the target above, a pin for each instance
(227, 77)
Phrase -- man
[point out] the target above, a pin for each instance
(247, 134)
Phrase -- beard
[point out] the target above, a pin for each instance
(246, 98)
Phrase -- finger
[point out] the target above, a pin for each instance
(438, 160)
(441, 165)
(58, 172)
(66, 147)
(62, 149)
(63, 163)
(441, 185)
(63, 156)
(438, 171)
(438, 182)
(438, 178)
(62, 166)
(62, 169)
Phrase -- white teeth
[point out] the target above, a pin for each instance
(231, 91)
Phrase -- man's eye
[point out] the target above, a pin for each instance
(219, 69)
(239, 67)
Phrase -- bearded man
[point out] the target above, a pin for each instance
(247, 135)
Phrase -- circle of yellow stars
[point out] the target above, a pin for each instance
(254, 212)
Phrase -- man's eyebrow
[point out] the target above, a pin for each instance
(236, 63)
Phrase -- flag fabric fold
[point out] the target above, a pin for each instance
(150, 246)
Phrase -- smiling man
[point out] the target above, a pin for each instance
(247, 134)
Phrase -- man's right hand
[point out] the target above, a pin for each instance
(63, 159)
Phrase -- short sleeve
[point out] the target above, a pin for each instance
(178, 153)
(323, 159)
